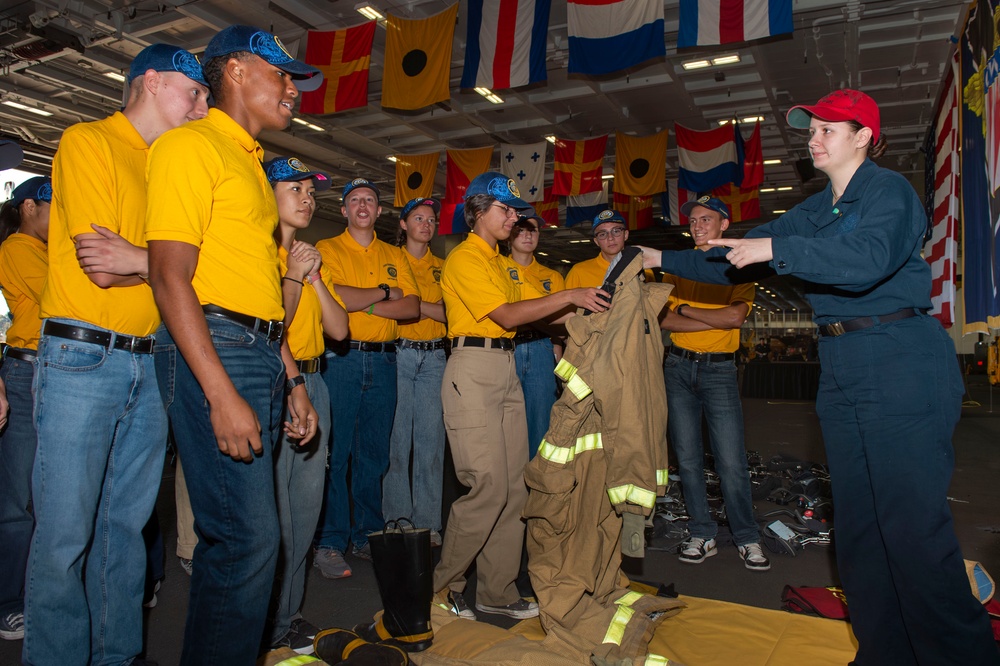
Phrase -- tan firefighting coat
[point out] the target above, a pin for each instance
(603, 456)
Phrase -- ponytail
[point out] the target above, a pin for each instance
(10, 220)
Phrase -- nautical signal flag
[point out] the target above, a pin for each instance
(418, 60)
(672, 200)
(743, 202)
(583, 208)
(505, 43)
(710, 22)
(709, 159)
(548, 208)
(610, 35)
(637, 211)
(462, 167)
(753, 159)
(526, 166)
(415, 177)
(640, 164)
(344, 57)
(579, 166)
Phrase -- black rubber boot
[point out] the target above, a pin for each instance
(339, 646)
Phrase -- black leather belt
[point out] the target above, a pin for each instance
(422, 345)
(528, 336)
(360, 345)
(861, 323)
(505, 344)
(308, 366)
(271, 329)
(106, 339)
(701, 356)
(19, 353)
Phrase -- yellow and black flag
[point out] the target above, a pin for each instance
(415, 177)
(418, 60)
(641, 164)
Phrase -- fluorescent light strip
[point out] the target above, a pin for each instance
(786, 188)
(369, 12)
(731, 59)
(769, 162)
(392, 158)
(490, 95)
(25, 107)
(695, 64)
(551, 138)
(116, 76)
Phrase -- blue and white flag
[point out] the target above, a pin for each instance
(607, 36)
(583, 208)
(526, 165)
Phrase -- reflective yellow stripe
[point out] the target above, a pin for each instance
(634, 494)
(656, 660)
(629, 598)
(564, 370)
(616, 630)
(663, 477)
(299, 659)
(561, 455)
(578, 387)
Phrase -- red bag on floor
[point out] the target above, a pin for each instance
(828, 602)
(993, 608)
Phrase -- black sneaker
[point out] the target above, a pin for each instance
(301, 635)
(522, 609)
(454, 602)
(696, 549)
(12, 626)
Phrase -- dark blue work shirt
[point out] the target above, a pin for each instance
(858, 257)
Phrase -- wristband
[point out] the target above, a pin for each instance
(299, 282)
(293, 382)
(678, 310)
(315, 277)
(371, 309)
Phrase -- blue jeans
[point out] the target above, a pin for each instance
(535, 368)
(102, 435)
(888, 402)
(299, 475)
(418, 427)
(363, 388)
(694, 387)
(17, 453)
(233, 502)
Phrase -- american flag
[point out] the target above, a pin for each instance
(943, 166)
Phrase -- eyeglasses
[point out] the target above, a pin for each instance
(606, 234)
(507, 210)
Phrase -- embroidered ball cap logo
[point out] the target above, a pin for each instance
(270, 48)
(296, 165)
(359, 181)
(606, 215)
(503, 189)
(188, 65)
(704, 200)
(45, 192)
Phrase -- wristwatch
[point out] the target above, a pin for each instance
(384, 287)
(293, 382)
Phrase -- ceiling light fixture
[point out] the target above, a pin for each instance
(754, 119)
(779, 212)
(731, 59)
(551, 138)
(566, 261)
(490, 95)
(695, 64)
(765, 190)
(369, 12)
(392, 158)
(25, 107)
(786, 188)
(308, 124)
(608, 176)
(769, 162)
(116, 76)
(542, 254)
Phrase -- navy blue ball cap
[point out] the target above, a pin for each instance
(708, 202)
(361, 182)
(265, 45)
(420, 201)
(166, 58)
(498, 186)
(291, 169)
(10, 154)
(609, 215)
(38, 188)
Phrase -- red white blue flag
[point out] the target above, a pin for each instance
(709, 159)
(709, 22)
(505, 43)
(606, 36)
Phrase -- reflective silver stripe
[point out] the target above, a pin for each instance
(632, 493)
(561, 455)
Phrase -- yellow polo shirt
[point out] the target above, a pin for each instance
(427, 273)
(702, 295)
(98, 176)
(207, 188)
(543, 278)
(352, 265)
(305, 333)
(24, 262)
(475, 281)
(589, 273)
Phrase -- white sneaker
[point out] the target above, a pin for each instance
(754, 558)
(696, 549)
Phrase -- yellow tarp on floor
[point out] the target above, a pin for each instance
(719, 633)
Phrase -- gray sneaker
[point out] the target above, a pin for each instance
(331, 563)
(12, 626)
(186, 564)
(754, 558)
(522, 609)
(365, 552)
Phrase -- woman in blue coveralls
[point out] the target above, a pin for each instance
(890, 389)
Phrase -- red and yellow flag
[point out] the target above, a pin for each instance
(344, 56)
(638, 211)
(463, 166)
(579, 166)
(415, 177)
(548, 208)
(418, 60)
(641, 164)
(743, 202)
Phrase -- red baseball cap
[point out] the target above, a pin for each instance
(838, 106)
